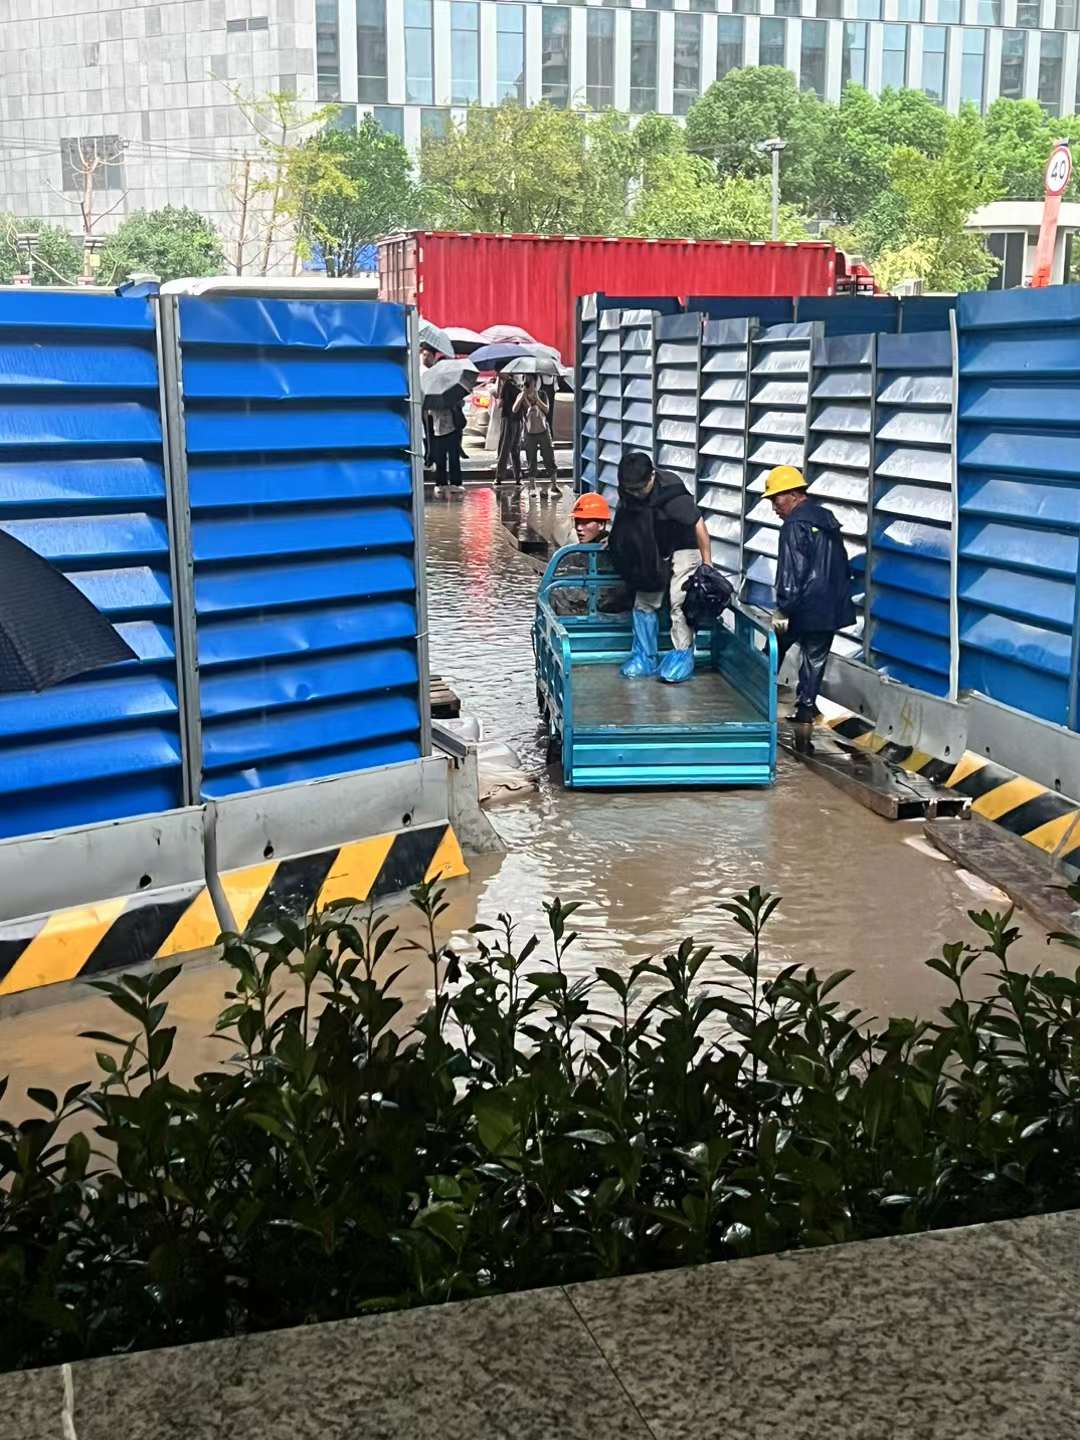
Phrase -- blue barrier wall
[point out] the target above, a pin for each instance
(911, 547)
(1018, 458)
(82, 483)
(300, 483)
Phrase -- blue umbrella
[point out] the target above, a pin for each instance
(493, 357)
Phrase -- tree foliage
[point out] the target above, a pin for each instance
(377, 193)
(57, 259)
(173, 243)
(681, 196)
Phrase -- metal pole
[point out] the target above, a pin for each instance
(181, 560)
(776, 193)
(416, 447)
(954, 538)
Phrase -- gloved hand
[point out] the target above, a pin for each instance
(779, 623)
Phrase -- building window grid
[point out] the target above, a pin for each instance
(1051, 66)
(510, 37)
(327, 50)
(1067, 14)
(730, 44)
(935, 62)
(973, 68)
(687, 78)
(555, 56)
(1013, 63)
(371, 50)
(643, 58)
(464, 52)
(813, 62)
(772, 43)
(894, 57)
(853, 58)
(599, 58)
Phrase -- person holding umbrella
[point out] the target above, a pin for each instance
(444, 385)
(533, 410)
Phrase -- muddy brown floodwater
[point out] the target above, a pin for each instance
(858, 892)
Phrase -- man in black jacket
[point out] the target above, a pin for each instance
(813, 582)
(657, 542)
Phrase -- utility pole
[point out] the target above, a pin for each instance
(774, 148)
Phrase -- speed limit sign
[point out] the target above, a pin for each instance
(1058, 170)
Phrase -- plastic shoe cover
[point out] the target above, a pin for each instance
(677, 666)
(643, 661)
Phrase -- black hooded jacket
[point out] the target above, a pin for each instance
(813, 582)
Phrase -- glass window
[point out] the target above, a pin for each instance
(894, 58)
(973, 68)
(1029, 13)
(745, 7)
(510, 77)
(989, 12)
(391, 118)
(730, 44)
(464, 52)
(434, 122)
(419, 61)
(812, 62)
(787, 7)
(328, 49)
(935, 62)
(948, 12)
(909, 9)
(853, 60)
(1067, 11)
(830, 9)
(600, 59)
(642, 61)
(371, 49)
(704, 7)
(1013, 56)
(687, 61)
(1051, 62)
(555, 56)
(773, 42)
(868, 9)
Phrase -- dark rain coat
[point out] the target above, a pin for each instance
(813, 582)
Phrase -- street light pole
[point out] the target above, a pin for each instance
(774, 147)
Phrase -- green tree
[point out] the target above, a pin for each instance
(173, 243)
(378, 193)
(937, 195)
(733, 117)
(681, 196)
(57, 259)
(1017, 138)
(858, 138)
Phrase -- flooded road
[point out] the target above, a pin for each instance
(858, 892)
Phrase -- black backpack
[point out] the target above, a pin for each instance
(633, 548)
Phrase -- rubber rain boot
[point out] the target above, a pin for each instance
(677, 666)
(643, 657)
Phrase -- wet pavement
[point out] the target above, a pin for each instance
(858, 891)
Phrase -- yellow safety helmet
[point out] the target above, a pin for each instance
(783, 478)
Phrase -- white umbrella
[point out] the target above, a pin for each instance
(436, 338)
(447, 383)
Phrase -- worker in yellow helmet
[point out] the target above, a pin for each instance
(813, 582)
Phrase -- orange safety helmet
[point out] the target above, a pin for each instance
(591, 507)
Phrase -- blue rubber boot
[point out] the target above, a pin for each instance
(643, 657)
(677, 666)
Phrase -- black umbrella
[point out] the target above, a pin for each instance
(446, 383)
(49, 631)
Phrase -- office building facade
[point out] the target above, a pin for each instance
(147, 91)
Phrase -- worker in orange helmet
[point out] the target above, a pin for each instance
(590, 517)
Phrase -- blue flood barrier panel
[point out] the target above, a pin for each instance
(851, 314)
(1018, 459)
(300, 483)
(911, 544)
(82, 482)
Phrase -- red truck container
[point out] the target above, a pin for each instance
(534, 280)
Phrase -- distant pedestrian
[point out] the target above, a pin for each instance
(533, 410)
(813, 583)
(447, 427)
(509, 458)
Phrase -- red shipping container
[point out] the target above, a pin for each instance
(535, 280)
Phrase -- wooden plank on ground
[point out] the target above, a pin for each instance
(1021, 870)
(445, 705)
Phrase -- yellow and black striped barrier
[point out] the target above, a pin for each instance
(1034, 812)
(88, 940)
